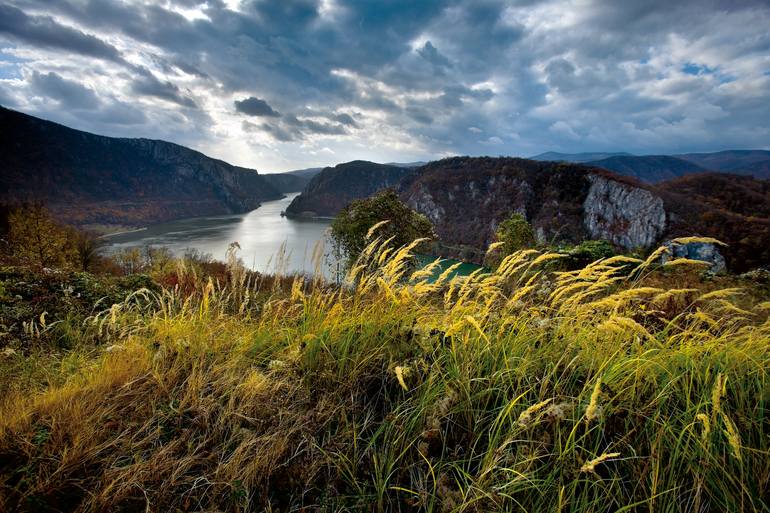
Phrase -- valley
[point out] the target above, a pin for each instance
(539, 317)
(344, 256)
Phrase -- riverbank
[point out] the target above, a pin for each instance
(269, 243)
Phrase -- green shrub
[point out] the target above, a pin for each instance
(588, 251)
(350, 228)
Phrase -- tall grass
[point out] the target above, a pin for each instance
(526, 389)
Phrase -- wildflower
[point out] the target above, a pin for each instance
(593, 411)
(526, 416)
(733, 438)
(706, 425)
(591, 465)
(400, 377)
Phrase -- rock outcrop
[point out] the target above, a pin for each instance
(626, 215)
(730, 208)
(702, 251)
(91, 179)
(566, 203)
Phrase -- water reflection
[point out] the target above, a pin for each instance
(262, 234)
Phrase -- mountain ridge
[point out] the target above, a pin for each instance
(89, 179)
(334, 187)
(649, 168)
(577, 158)
(467, 197)
(655, 168)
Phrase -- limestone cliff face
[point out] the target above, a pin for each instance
(91, 179)
(703, 251)
(466, 199)
(628, 216)
(422, 201)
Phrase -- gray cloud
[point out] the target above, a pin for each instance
(432, 55)
(406, 79)
(149, 85)
(43, 31)
(70, 94)
(291, 128)
(344, 119)
(255, 107)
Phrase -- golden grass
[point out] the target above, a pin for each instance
(520, 390)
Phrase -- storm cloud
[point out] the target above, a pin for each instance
(255, 107)
(283, 84)
(44, 31)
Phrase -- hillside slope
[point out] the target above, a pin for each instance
(733, 209)
(334, 187)
(286, 182)
(91, 179)
(466, 198)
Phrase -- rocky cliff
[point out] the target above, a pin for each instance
(91, 179)
(624, 214)
(466, 198)
(334, 187)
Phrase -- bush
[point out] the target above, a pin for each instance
(588, 251)
(350, 228)
(513, 234)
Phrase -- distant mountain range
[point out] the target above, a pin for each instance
(649, 168)
(295, 181)
(656, 168)
(578, 158)
(88, 179)
(745, 162)
(292, 181)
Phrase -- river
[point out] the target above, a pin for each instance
(268, 242)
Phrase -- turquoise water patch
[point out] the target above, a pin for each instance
(464, 269)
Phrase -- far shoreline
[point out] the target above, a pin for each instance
(122, 232)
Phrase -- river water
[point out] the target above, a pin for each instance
(269, 242)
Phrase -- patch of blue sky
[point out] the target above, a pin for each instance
(10, 65)
(696, 69)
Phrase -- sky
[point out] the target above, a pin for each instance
(288, 84)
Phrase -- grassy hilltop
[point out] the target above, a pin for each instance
(623, 386)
